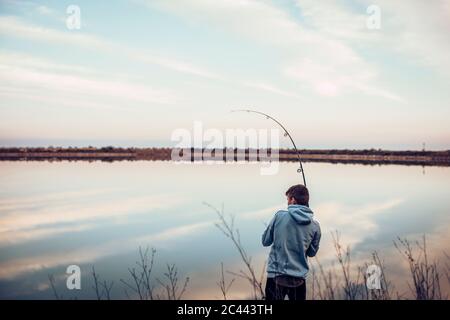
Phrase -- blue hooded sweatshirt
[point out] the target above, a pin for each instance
(294, 236)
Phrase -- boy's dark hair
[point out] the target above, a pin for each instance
(300, 193)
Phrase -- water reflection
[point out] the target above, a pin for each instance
(56, 214)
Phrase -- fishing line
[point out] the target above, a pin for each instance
(286, 134)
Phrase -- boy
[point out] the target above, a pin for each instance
(294, 236)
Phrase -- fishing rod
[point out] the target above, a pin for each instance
(286, 133)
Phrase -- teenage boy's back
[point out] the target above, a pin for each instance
(294, 236)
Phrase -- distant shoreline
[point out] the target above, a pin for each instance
(366, 156)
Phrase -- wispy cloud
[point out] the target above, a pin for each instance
(10, 25)
(14, 267)
(20, 219)
(316, 58)
(89, 254)
(31, 7)
(40, 79)
(355, 223)
(27, 61)
(265, 213)
(45, 10)
(16, 203)
(172, 233)
(418, 32)
(8, 238)
(22, 63)
(272, 89)
(77, 86)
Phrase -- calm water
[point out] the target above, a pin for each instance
(56, 214)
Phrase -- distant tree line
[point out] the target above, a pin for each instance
(160, 151)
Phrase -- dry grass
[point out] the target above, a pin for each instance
(341, 280)
(143, 285)
(425, 275)
(222, 284)
(228, 228)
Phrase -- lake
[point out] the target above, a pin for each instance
(53, 215)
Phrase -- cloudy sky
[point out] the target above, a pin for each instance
(137, 70)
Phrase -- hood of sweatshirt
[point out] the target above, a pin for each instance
(301, 214)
